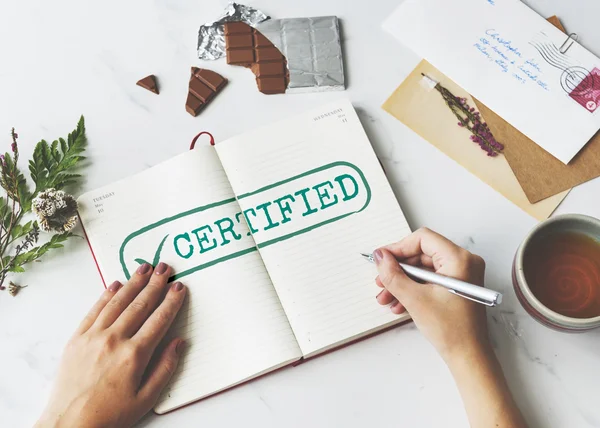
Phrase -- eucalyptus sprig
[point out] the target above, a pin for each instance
(51, 169)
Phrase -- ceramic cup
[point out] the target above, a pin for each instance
(570, 222)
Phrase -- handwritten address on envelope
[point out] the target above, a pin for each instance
(510, 58)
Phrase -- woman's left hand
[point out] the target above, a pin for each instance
(109, 375)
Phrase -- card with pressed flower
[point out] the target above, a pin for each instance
(417, 104)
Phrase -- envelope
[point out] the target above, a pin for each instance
(423, 110)
(512, 60)
(540, 174)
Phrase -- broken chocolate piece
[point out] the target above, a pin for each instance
(193, 105)
(204, 86)
(247, 47)
(214, 80)
(149, 83)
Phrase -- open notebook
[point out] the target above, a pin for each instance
(265, 229)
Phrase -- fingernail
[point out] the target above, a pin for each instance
(161, 268)
(178, 286)
(114, 287)
(394, 303)
(179, 347)
(377, 256)
(143, 269)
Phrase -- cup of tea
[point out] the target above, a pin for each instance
(556, 273)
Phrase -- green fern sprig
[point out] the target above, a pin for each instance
(52, 166)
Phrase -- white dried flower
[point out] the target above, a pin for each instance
(56, 210)
(13, 289)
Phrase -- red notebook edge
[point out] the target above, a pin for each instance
(360, 339)
(91, 249)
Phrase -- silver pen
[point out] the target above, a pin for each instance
(460, 288)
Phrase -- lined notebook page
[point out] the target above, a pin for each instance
(233, 323)
(315, 196)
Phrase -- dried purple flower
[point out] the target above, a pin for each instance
(13, 146)
(470, 119)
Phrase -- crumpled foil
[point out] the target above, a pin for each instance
(313, 49)
(211, 36)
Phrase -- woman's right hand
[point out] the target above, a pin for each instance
(451, 323)
(454, 325)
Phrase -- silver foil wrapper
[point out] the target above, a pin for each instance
(313, 49)
(211, 36)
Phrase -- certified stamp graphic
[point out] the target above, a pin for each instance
(210, 234)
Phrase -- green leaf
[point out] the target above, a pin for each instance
(16, 231)
(46, 157)
(16, 269)
(8, 162)
(5, 260)
(141, 261)
(19, 231)
(54, 151)
(27, 227)
(63, 145)
(3, 208)
(52, 165)
(26, 257)
(37, 252)
(6, 220)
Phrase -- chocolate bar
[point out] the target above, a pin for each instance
(204, 86)
(149, 83)
(313, 51)
(247, 47)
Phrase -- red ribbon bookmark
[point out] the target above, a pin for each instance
(212, 139)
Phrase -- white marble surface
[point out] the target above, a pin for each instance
(62, 58)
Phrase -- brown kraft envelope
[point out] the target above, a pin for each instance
(540, 174)
(422, 109)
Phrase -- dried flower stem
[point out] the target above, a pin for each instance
(30, 239)
(10, 179)
(471, 120)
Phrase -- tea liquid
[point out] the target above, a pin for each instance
(563, 271)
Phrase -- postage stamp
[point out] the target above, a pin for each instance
(587, 91)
